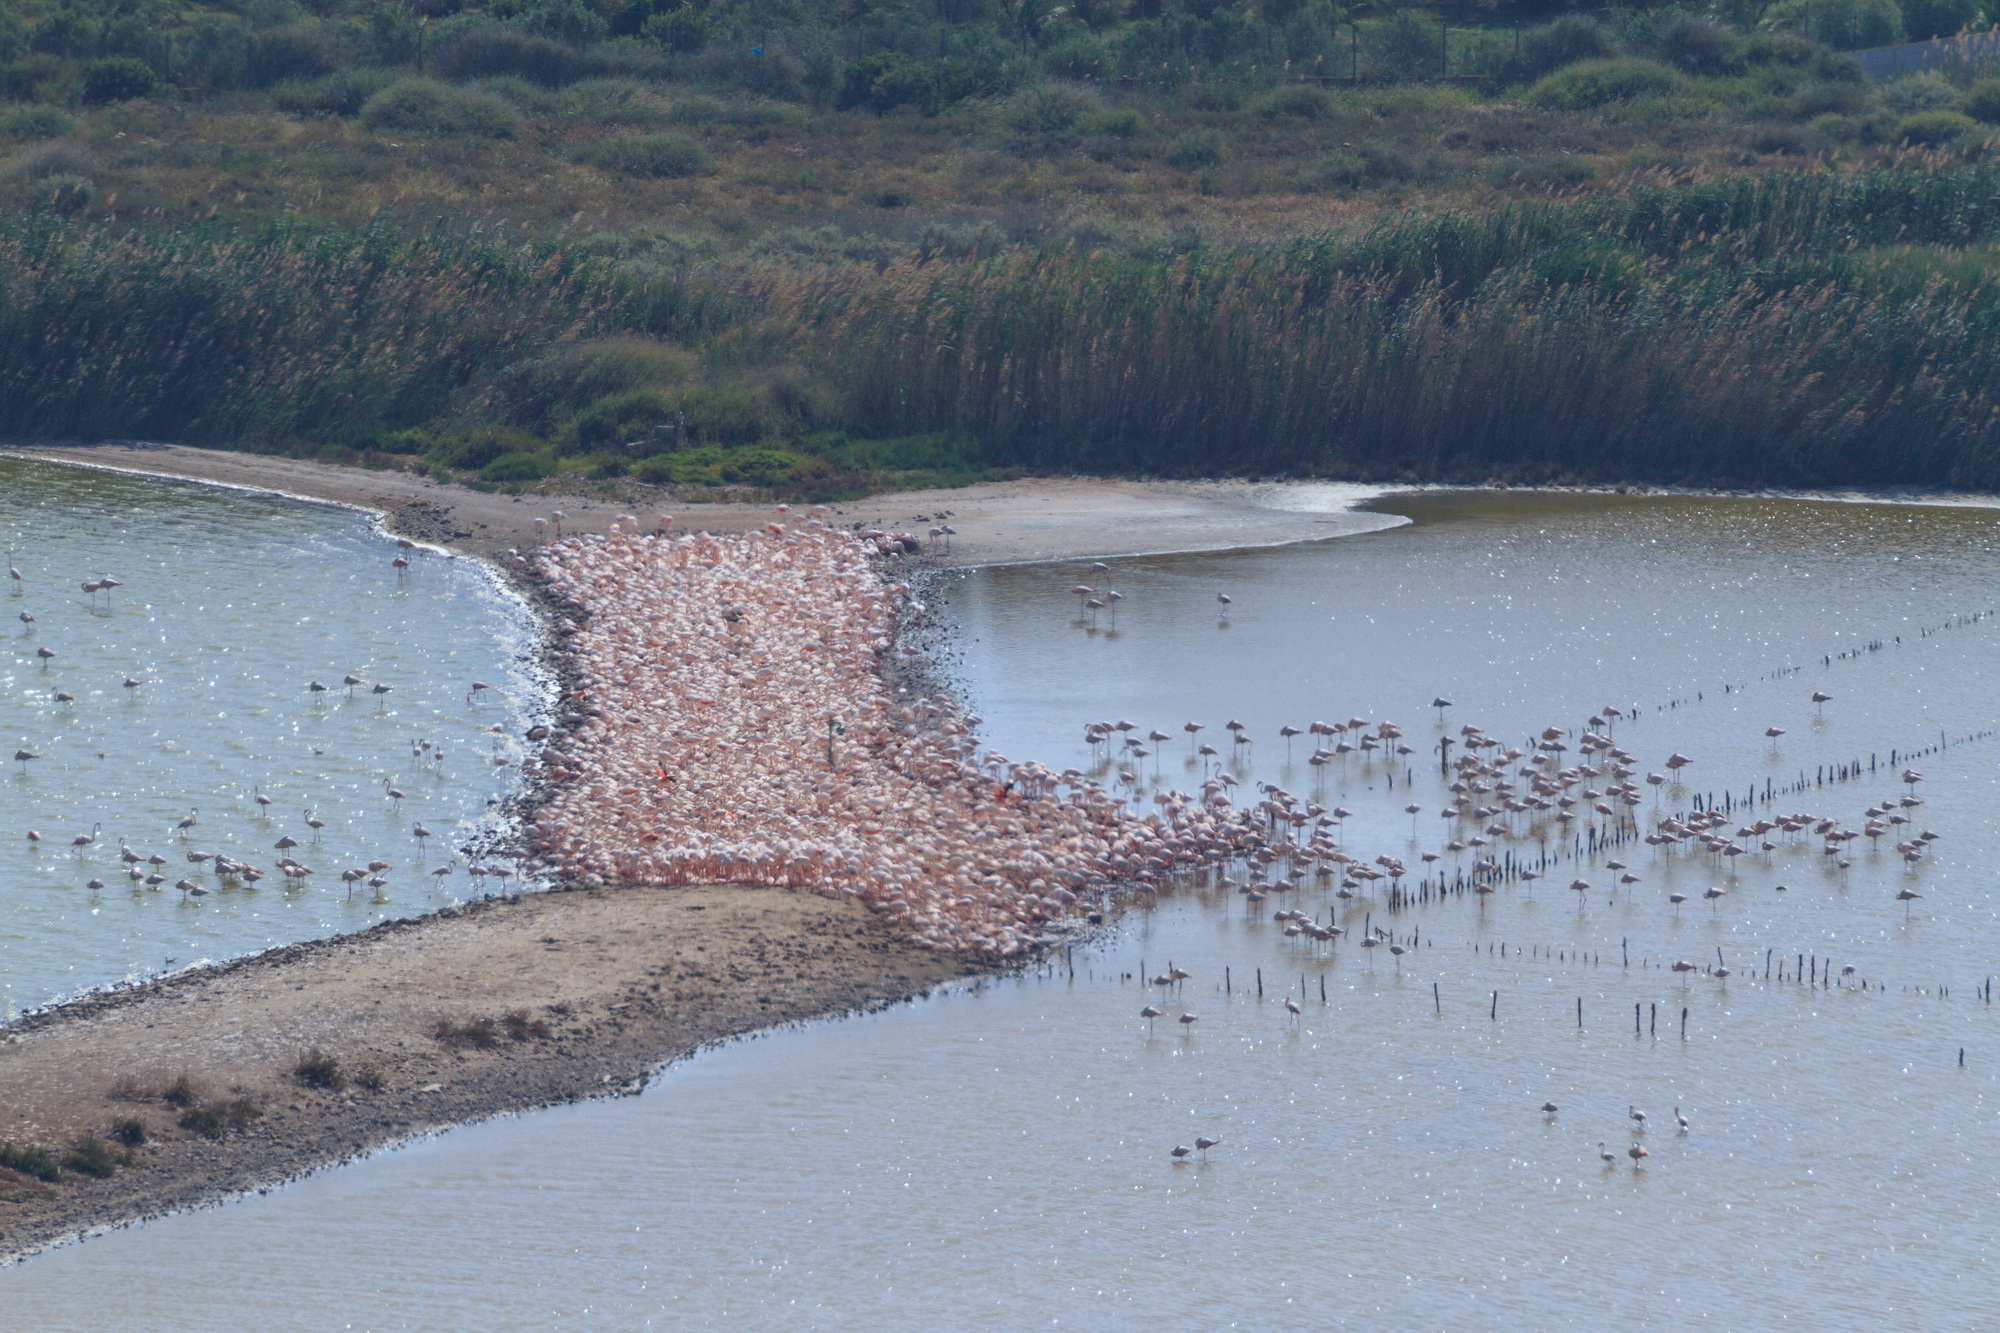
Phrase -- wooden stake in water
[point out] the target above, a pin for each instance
(1684, 1023)
(1496, 1006)
(1437, 1005)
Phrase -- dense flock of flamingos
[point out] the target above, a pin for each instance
(730, 720)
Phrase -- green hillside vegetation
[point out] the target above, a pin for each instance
(808, 249)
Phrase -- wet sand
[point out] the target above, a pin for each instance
(1009, 522)
(606, 984)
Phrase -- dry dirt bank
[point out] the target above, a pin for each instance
(584, 991)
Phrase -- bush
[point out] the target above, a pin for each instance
(1934, 127)
(1925, 19)
(1114, 124)
(1196, 149)
(1982, 101)
(1780, 139)
(116, 79)
(130, 1131)
(1820, 99)
(657, 156)
(1360, 168)
(36, 1162)
(421, 106)
(288, 53)
(1570, 40)
(885, 80)
(1300, 100)
(1047, 111)
(1843, 25)
(317, 1069)
(181, 1092)
(202, 1121)
(1918, 92)
(92, 1156)
(63, 193)
(484, 51)
(518, 467)
(479, 1033)
(37, 122)
(1695, 46)
(1598, 83)
(1840, 129)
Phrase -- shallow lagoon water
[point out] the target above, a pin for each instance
(996, 1156)
(231, 605)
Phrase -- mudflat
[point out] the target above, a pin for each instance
(500, 1005)
(998, 523)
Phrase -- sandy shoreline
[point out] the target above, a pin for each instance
(1010, 522)
(605, 985)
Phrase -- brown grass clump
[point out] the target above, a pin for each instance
(521, 1026)
(318, 1069)
(479, 1033)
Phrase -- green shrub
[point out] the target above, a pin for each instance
(1918, 92)
(1982, 101)
(486, 50)
(294, 52)
(203, 1121)
(181, 1092)
(1196, 149)
(1300, 100)
(37, 1162)
(1818, 99)
(1360, 168)
(1570, 40)
(1839, 129)
(63, 193)
(1934, 127)
(1925, 19)
(34, 78)
(1842, 25)
(116, 79)
(130, 1131)
(518, 467)
(1047, 111)
(1597, 83)
(612, 102)
(654, 156)
(885, 80)
(1114, 124)
(319, 1069)
(1696, 46)
(422, 106)
(92, 1156)
(37, 122)
(1779, 139)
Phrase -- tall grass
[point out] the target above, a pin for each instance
(1712, 334)
(1734, 331)
(214, 336)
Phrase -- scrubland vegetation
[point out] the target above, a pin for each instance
(809, 249)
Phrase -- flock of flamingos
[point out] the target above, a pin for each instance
(730, 719)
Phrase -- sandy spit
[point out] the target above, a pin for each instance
(604, 985)
(998, 523)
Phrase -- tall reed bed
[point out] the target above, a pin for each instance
(214, 336)
(1707, 335)
(1729, 331)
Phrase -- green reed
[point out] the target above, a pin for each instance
(1735, 331)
